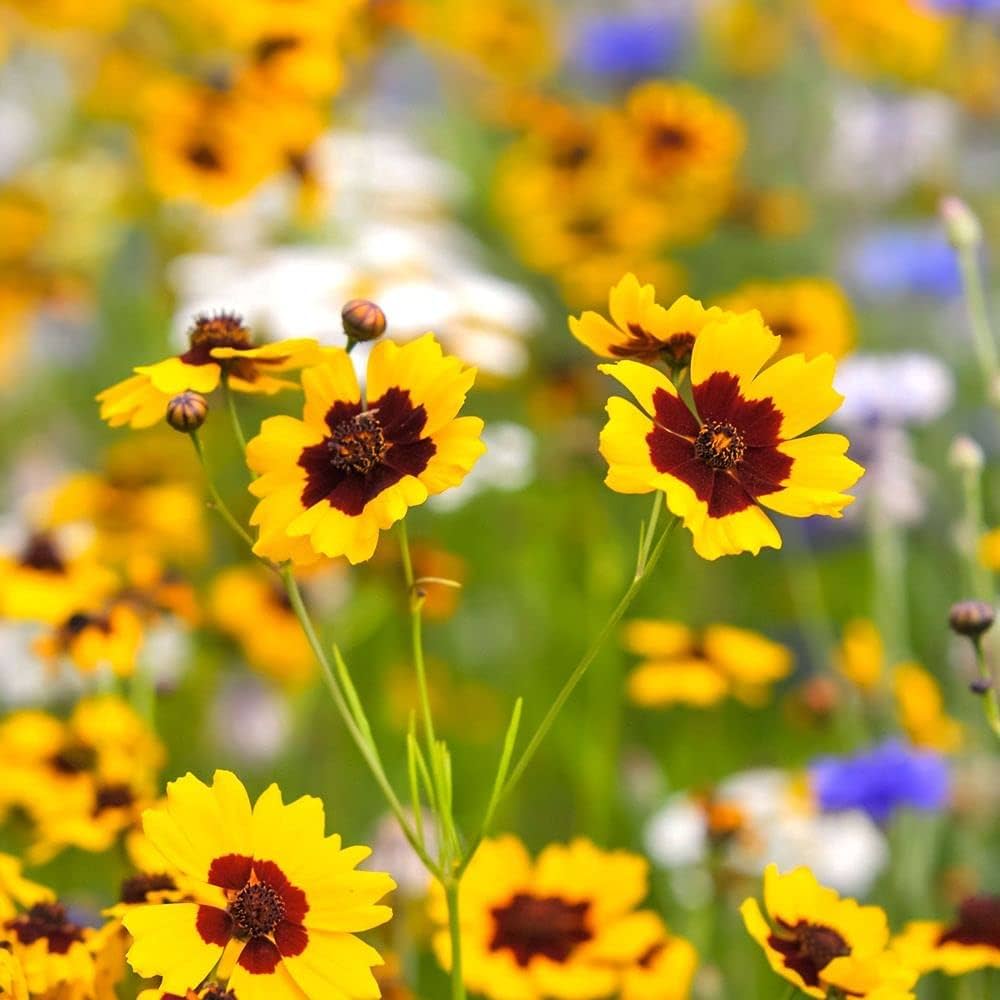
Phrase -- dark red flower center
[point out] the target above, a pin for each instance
(978, 923)
(204, 156)
(548, 926)
(668, 138)
(115, 796)
(270, 47)
(48, 922)
(808, 948)
(41, 553)
(366, 451)
(138, 888)
(223, 329)
(729, 457)
(264, 909)
(74, 758)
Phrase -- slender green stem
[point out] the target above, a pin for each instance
(588, 657)
(351, 344)
(367, 747)
(234, 415)
(217, 502)
(973, 526)
(142, 694)
(808, 599)
(979, 321)
(888, 550)
(451, 891)
(991, 706)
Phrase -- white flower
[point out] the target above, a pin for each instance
(250, 720)
(906, 388)
(392, 853)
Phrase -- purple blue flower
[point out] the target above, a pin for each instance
(896, 261)
(973, 8)
(626, 45)
(881, 780)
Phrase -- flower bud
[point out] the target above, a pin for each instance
(187, 412)
(965, 455)
(363, 320)
(980, 686)
(960, 223)
(971, 618)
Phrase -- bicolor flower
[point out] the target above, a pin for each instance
(220, 345)
(968, 942)
(642, 329)
(330, 482)
(739, 449)
(277, 903)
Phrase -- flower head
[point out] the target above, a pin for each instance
(564, 925)
(641, 328)
(275, 899)
(329, 483)
(881, 780)
(681, 666)
(971, 940)
(818, 941)
(220, 346)
(739, 450)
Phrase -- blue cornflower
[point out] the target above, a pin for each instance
(628, 45)
(880, 780)
(973, 8)
(894, 261)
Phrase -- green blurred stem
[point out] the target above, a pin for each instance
(973, 527)
(979, 320)
(808, 599)
(369, 751)
(888, 550)
(649, 556)
(217, 502)
(142, 694)
(451, 890)
(991, 706)
(234, 415)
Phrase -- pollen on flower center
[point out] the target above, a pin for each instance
(224, 329)
(257, 910)
(532, 925)
(719, 445)
(357, 443)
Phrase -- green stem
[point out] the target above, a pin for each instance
(234, 415)
(142, 694)
(217, 501)
(991, 706)
(888, 548)
(588, 657)
(806, 588)
(979, 322)
(367, 747)
(451, 891)
(973, 527)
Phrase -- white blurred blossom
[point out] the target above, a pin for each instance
(905, 388)
(250, 720)
(392, 853)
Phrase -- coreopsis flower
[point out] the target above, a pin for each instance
(565, 925)
(811, 315)
(921, 709)
(641, 328)
(820, 942)
(92, 640)
(44, 583)
(881, 780)
(665, 971)
(740, 450)
(968, 942)
(12, 981)
(861, 655)
(275, 899)
(329, 483)
(220, 346)
(682, 666)
(274, 643)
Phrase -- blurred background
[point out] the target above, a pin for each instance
(485, 171)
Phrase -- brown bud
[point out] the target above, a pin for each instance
(187, 412)
(971, 618)
(363, 320)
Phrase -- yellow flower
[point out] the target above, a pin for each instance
(43, 584)
(329, 483)
(811, 315)
(817, 941)
(989, 549)
(564, 926)
(742, 451)
(255, 611)
(110, 638)
(970, 942)
(584, 282)
(641, 328)
(53, 951)
(682, 667)
(752, 39)
(276, 900)
(220, 346)
(861, 656)
(15, 888)
(12, 981)
(921, 709)
(665, 971)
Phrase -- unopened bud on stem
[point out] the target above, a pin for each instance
(187, 411)
(363, 320)
(960, 223)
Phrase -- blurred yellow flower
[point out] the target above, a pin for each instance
(969, 942)
(111, 638)
(665, 971)
(989, 550)
(250, 605)
(641, 328)
(682, 666)
(330, 483)
(822, 943)
(811, 315)
(739, 450)
(564, 925)
(861, 656)
(921, 709)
